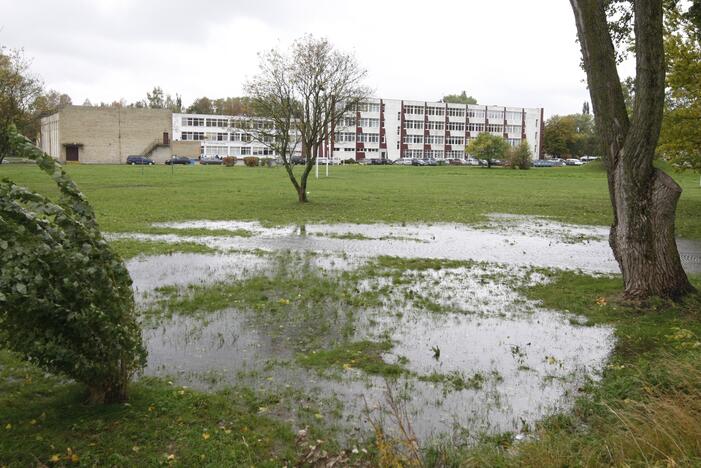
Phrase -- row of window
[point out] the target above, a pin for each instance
(360, 137)
(366, 150)
(420, 154)
(433, 140)
(363, 122)
(457, 112)
(226, 123)
(236, 151)
(419, 125)
(369, 107)
(243, 137)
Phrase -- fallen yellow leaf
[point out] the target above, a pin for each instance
(205, 435)
(55, 458)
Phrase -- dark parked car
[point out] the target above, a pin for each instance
(430, 162)
(379, 162)
(141, 160)
(418, 162)
(209, 161)
(297, 160)
(179, 160)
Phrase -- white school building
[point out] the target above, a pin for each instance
(379, 128)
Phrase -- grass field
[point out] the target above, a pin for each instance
(129, 198)
(646, 410)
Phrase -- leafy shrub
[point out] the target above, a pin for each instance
(66, 301)
(229, 161)
(350, 161)
(251, 161)
(520, 157)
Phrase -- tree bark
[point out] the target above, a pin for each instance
(111, 390)
(643, 198)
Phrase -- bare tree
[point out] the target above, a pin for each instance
(644, 198)
(305, 92)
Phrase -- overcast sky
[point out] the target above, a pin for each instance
(504, 52)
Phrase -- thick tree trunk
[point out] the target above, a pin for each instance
(643, 240)
(643, 198)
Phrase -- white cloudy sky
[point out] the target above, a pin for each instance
(504, 52)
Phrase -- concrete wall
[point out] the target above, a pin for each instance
(190, 149)
(106, 134)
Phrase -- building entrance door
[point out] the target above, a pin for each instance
(72, 153)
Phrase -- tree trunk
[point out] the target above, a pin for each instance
(643, 198)
(643, 240)
(111, 390)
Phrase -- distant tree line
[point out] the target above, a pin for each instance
(23, 99)
(571, 135)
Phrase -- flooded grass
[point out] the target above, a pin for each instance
(444, 330)
(130, 248)
(364, 355)
(311, 327)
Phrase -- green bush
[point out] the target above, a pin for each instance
(520, 157)
(251, 161)
(66, 302)
(350, 161)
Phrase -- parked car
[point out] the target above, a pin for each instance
(430, 162)
(573, 162)
(297, 160)
(179, 160)
(588, 158)
(497, 162)
(211, 161)
(139, 160)
(542, 163)
(456, 162)
(403, 162)
(379, 161)
(418, 162)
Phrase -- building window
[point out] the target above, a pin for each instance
(371, 123)
(414, 110)
(495, 128)
(435, 125)
(456, 112)
(412, 154)
(417, 124)
(413, 139)
(193, 121)
(455, 141)
(476, 127)
(495, 115)
(459, 126)
(434, 140)
(344, 136)
(368, 137)
(514, 116)
(432, 110)
(475, 113)
(434, 154)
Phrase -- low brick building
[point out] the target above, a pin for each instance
(108, 135)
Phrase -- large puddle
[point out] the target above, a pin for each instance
(477, 356)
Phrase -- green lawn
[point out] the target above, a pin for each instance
(646, 411)
(129, 198)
